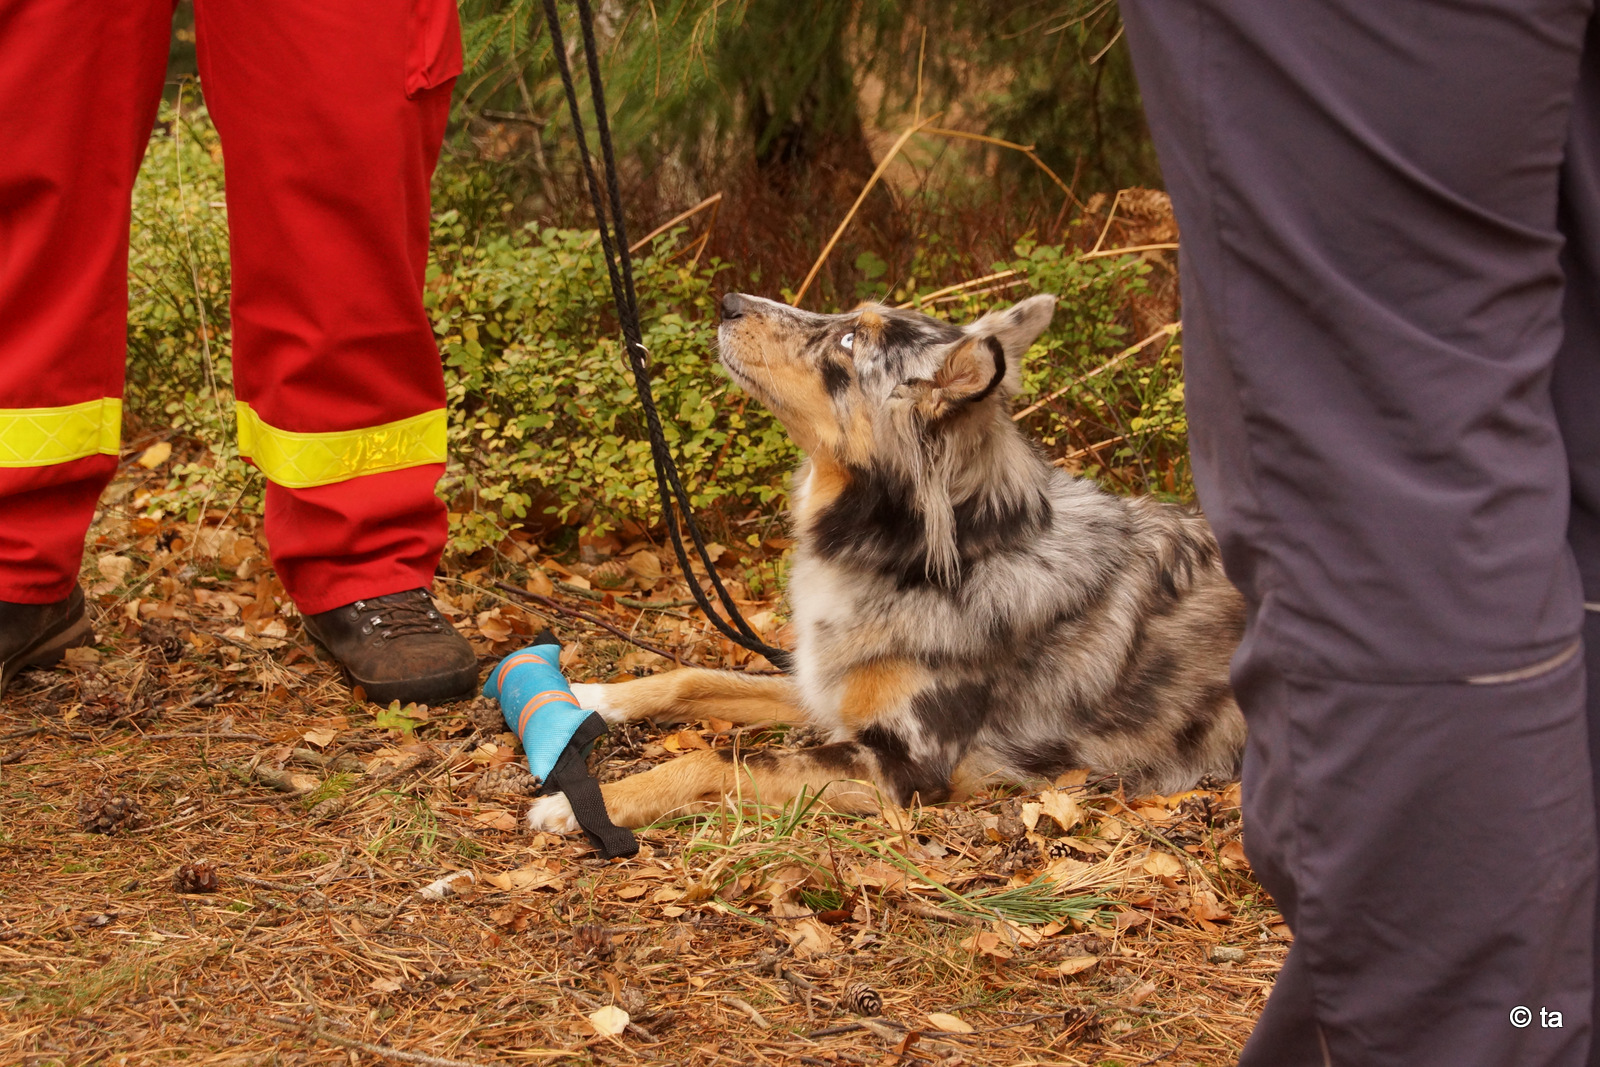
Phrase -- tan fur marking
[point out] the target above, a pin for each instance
(869, 320)
(700, 781)
(825, 481)
(879, 689)
(858, 438)
(696, 693)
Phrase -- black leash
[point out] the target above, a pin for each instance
(619, 265)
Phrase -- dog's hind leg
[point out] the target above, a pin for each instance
(846, 775)
(694, 693)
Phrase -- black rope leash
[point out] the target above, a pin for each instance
(619, 265)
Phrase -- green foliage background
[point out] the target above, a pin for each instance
(543, 418)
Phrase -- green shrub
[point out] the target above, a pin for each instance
(543, 413)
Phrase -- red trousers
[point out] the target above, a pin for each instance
(331, 114)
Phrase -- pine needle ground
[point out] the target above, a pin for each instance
(210, 854)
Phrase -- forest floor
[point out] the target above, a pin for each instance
(211, 853)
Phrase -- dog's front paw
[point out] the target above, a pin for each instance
(592, 697)
(553, 815)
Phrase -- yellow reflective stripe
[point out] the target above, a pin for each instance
(301, 460)
(39, 437)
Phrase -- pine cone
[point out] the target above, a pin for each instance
(1080, 1024)
(1020, 855)
(106, 710)
(592, 940)
(613, 574)
(486, 715)
(863, 999)
(195, 878)
(162, 637)
(1065, 850)
(509, 778)
(105, 813)
(634, 1002)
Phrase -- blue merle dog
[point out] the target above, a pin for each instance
(964, 611)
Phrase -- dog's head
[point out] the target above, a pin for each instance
(847, 387)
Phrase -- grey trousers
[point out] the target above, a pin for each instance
(1390, 263)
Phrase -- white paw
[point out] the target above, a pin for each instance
(592, 697)
(553, 815)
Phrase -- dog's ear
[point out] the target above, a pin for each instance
(973, 368)
(1015, 328)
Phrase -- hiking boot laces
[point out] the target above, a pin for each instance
(398, 615)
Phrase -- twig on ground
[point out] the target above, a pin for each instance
(928, 911)
(574, 613)
(370, 1049)
(593, 1004)
(197, 735)
(749, 1009)
(1173, 1051)
(625, 601)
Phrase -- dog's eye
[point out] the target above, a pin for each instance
(848, 342)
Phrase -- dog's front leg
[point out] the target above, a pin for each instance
(693, 693)
(846, 775)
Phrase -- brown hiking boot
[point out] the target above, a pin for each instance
(36, 635)
(397, 647)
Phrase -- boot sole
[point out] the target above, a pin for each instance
(48, 650)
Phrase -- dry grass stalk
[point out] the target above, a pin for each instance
(844, 224)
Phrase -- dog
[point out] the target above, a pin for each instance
(964, 611)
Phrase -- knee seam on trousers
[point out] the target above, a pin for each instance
(1522, 674)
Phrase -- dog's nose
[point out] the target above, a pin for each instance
(733, 306)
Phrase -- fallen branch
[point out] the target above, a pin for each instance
(574, 613)
(625, 601)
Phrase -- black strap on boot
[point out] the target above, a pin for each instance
(570, 776)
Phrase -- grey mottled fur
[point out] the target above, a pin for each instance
(1062, 626)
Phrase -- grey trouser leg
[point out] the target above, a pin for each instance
(1373, 307)
(1576, 385)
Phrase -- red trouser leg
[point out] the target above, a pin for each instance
(332, 114)
(79, 85)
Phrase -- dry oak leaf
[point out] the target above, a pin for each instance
(320, 736)
(647, 565)
(1205, 906)
(513, 917)
(539, 583)
(533, 877)
(1163, 865)
(1060, 807)
(609, 1021)
(810, 939)
(1077, 964)
(950, 1024)
(495, 819)
(494, 626)
(990, 944)
(155, 455)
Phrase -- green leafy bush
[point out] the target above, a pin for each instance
(543, 415)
